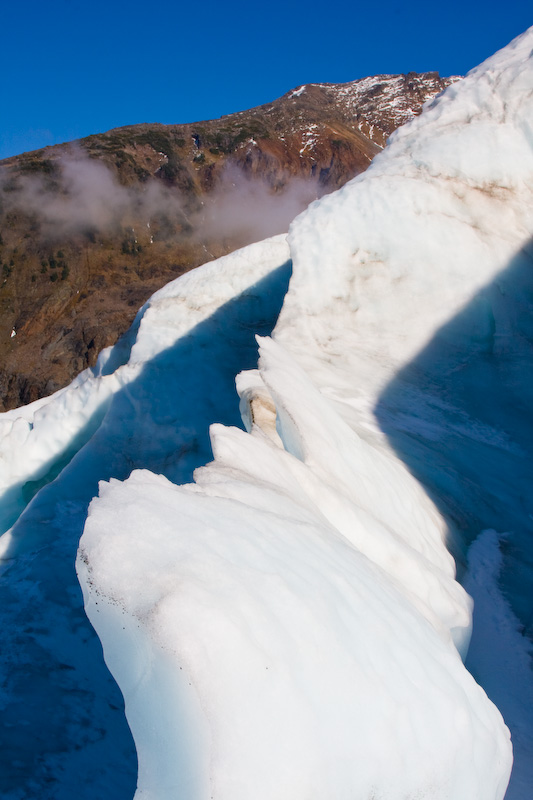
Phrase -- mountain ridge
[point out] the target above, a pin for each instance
(90, 229)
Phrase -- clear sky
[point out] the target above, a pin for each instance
(71, 68)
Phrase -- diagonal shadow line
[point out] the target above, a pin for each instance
(63, 730)
(459, 415)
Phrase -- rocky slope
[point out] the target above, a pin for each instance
(89, 230)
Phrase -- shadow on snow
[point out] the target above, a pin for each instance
(64, 733)
(459, 415)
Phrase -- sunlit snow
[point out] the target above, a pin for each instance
(288, 625)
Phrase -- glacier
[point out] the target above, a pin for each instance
(273, 578)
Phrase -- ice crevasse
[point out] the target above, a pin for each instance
(289, 626)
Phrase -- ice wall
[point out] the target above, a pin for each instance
(418, 279)
(430, 258)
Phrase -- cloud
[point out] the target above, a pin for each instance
(248, 208)
(84, 195)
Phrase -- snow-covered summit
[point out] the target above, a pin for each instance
(383, 103)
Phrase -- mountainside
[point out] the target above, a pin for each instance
(89, 230)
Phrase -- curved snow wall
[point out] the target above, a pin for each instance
(64, 733)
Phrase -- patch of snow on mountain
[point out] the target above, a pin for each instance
(309, 138)
(297, 92)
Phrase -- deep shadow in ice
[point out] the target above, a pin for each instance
(460, 416)
(64, 733)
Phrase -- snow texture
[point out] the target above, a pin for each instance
(288, 625)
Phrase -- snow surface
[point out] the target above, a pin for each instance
(289, 625)
(298, 598)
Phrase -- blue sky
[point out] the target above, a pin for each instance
(70, 68)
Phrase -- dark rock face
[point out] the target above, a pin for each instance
(89, 230)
